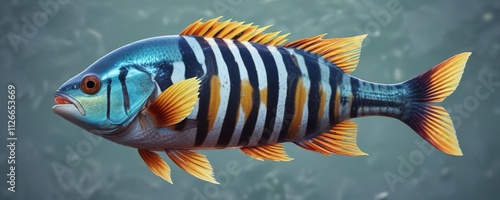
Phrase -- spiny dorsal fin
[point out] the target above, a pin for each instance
(156, 164)
(194, 163)
(343, 52)
(340, 139)
(234, 30)
(274, 152)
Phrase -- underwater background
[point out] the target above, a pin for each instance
(57, 160)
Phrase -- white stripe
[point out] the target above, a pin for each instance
(194, 113)
(243, 76)
(225, 87)
(198, 52)
(262, 78)
(325, 82)
(237, 56)
(178, 71)
(280, 108)
(307, 85)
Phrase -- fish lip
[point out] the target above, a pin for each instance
(69, 99)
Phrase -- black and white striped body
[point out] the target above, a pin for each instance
(253, 94)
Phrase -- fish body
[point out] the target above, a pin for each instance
(226, 85)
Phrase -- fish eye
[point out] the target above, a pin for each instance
(90, 84)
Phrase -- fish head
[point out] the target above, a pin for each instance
(105, 97)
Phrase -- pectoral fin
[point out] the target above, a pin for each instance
(156, 164)
(274, 152)
(194, 163)
(340, 139)
(175, 103)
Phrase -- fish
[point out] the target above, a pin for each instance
(234, 85)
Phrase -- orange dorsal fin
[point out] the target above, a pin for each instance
(274, 152)
(156, 164)
(343, 52)
(234, 30)
(193, 163)
(340, 139)
(175, 103)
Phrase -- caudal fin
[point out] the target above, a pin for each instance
(432, 122)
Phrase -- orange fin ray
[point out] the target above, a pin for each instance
(274, 152)
(343, 52)
(175, 103)
(434, 125)
(432, 122)
(156, 164)
(234, 30)
(440, 81)
(193, 163)
(340, 139)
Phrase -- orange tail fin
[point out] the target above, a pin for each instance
(432, 122)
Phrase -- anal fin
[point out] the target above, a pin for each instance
(340, 139)
(156, 164)
(274, 152)
(193, 163)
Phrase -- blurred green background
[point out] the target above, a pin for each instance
(405, 39)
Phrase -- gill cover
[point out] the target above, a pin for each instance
(128, 91)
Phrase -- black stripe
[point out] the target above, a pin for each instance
(356, 102)
(335, 78)
(164, 75)
(181, 125)
(193, 67)
(230, 120)
(314, 99)
(249, 126)
(108, 96)
(126, 100)
(344, 97)
(210, 61)
(272, 91)
(294, 73)
(202, 117)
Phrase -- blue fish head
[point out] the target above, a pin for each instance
(107, 95)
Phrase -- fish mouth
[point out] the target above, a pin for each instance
(65, 101)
